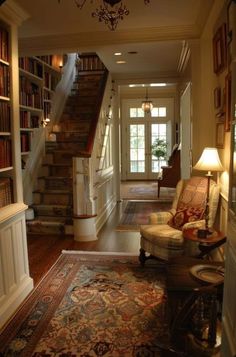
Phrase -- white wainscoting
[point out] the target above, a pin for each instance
(15, 282)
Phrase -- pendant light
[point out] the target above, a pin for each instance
(147, 104)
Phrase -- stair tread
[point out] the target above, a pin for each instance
(53, 191)
(51, 218)
(55, 177)
(48, 223)
(58, 164)
(48, 205)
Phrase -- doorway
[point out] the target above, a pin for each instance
(139, 132)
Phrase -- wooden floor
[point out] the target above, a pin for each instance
(43, 250)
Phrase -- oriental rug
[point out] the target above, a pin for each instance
(91, 305)
(137, 213)
(144, 190)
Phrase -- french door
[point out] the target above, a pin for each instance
(139, 131)
(141, 164)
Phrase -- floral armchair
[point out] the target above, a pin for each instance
(163, 237)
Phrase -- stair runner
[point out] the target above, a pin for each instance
(53, 199)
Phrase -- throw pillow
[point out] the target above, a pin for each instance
(186, 215)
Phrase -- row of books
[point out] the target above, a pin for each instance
(47, 95)
(5, 117)
(47, 110)
(4, 80)
(52, 60)
(30, 93)
(50, 81)
(27, 120)
(5, 152)
(4, 48)
(47, 59)
(31, 65)
(25, 142)
(6, 194)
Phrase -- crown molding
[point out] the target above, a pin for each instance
(77, 41)
(13, 13)
(184, 57)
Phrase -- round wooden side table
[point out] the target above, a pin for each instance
(205, 245)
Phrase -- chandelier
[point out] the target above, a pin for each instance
(109, 11)
(147, 104)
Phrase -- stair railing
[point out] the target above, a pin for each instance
(87, 171)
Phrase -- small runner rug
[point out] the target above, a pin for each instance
(91, 305)
(145, 191)
(136, 213)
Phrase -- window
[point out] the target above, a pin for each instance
(158, 112)
(136, 113)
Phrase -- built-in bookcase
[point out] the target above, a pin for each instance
(15, 282)
(6, 189)
(39, 77)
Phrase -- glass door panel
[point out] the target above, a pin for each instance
(137, 148)
(158, 131)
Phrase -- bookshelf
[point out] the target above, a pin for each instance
(15, 281)
(39, 77)
(6, 189)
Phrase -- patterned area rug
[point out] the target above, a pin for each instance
(91, 305)
(136, 213)
(145, 191)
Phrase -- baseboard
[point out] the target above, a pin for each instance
(9, 308)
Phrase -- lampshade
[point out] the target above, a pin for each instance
(209, 161)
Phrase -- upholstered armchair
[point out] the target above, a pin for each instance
(163, 237)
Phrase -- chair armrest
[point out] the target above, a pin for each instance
(195, 224)
(161, 217)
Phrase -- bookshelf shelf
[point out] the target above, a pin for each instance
(7, 99)
(30, 75)
(6, 169)
(27, 129)
(4, 62)
(5, 133)
(31, 109)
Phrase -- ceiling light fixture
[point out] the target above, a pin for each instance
(120, 62)
(109, 11)
(147, 104)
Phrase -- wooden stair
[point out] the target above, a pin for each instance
(53, 198)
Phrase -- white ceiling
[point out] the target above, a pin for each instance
(156, 31)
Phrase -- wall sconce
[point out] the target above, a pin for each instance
(60, 65)
(45, 122)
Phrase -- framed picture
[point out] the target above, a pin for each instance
(228, 118)
(217, 98)
(220, 135)
(219, 49)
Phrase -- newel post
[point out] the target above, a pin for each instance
(83, 201)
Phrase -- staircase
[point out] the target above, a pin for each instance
(53, 198)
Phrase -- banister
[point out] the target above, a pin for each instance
(89, 147)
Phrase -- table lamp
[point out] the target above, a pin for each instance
(209, 161)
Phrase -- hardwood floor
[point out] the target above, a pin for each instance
(44, 250)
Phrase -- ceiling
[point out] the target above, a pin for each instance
(157, 32)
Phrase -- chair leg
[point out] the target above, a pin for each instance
(158, 190)
(142, 256)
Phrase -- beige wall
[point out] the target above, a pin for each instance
(204, 114)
